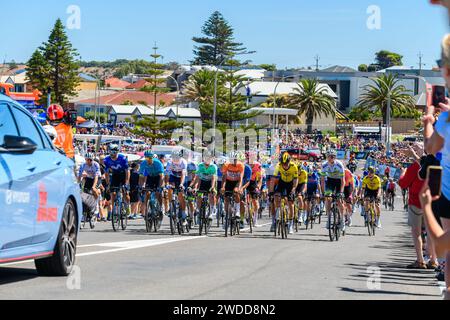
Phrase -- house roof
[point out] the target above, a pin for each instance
(144, 110)
(265, 88)
(116, 83)
(339, 69)
(182, 112)
(20, 78)
(124, 110)
(90, 94)
(86, 78)
(138, 85)
(136, 97)
(251, 73)
(270, 111)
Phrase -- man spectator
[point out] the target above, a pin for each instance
(410, 180)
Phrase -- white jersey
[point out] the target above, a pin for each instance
(333, 171)
(176, 169)
(271, 170)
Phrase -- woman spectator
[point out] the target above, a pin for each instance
(436, 134)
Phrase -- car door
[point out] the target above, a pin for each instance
(47, 177)
(17, 192)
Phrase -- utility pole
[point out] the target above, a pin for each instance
(420, 55)
(317, 58)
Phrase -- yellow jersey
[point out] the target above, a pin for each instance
(371, 184)
(288, 175)
(302, 177)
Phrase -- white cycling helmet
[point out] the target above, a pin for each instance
(51, 132)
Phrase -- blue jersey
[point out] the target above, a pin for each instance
(313, 180)
(191, 170)
(120, 165)
(247, 174)
(153, 170)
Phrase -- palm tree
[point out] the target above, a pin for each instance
(375, 96)
(312, 101)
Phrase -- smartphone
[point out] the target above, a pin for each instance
(438, 95)
(434, 175)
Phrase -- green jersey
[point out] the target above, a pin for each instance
(206, 173)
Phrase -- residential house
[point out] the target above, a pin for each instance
(87, 82)
(116, 83)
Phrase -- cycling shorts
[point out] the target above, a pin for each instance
(153, 183)
(333, 185)
(285, 189)
(205, 186)
(300, 188)
(117, 180)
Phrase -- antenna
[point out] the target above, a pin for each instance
(420, 55)
(317, 58)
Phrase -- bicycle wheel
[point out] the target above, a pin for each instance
(250, 218)
(115, 219)
(337, 224)
(368, 222)
(373, 222)
(124, 217)
(92, 221)
(172, 220)
(202, 220)
(85, 218)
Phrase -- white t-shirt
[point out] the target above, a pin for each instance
(443, 129)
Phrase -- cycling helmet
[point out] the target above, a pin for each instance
(51, 132)
(241, 156)
(234, 156)
(332, 153)
(149, 154)
(55, 112)
(90, 156)
(221, 161)
(177, 154)
(285, 158)
(114, 148)
(371, 169)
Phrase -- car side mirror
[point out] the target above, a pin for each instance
(20, 145)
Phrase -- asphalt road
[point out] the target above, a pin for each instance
(137, 265)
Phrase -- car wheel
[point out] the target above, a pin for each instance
(63, 259)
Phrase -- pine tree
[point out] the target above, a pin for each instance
(38, 71)
(53, 66)
(155, 82)
(218, 43)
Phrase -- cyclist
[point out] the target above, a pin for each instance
(151, 174)
(271, 187)
(175, 176)
(391, 187)
(348, 194)
(191, 170)
(233, 175)
(371, 188)
(300, 191)
(333, 172)
(312, 188)
(286, 176)
(134, 191)
(245, 184)
(256, 181)
(205, 182)
(116, 172)
(90, 174)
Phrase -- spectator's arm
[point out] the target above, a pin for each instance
(410, 175)
(440, 239)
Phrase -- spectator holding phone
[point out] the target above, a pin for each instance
(437, 138)
(440, 238)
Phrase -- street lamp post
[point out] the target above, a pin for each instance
(388, 139)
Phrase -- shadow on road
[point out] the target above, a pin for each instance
(14, 275)
(393, 271)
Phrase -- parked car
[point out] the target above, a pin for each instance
(304, 155)
(39, 196)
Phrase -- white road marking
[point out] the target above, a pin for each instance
(258, 226)
(119, 246)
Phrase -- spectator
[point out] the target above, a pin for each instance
(410, 180)
(436, 133)
(440, 238)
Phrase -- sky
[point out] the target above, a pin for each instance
(288, 33)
